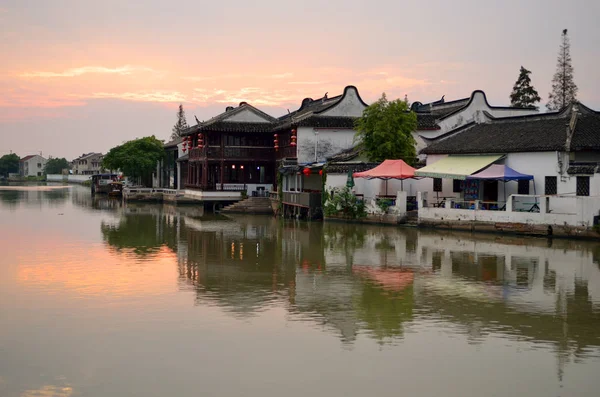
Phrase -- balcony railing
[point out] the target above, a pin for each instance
(233, 153)
(287, 152)
(310, 200)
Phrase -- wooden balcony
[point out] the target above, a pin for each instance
(311, 200)
(287, 152)
(233, 153)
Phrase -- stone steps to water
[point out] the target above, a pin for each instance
(251, 205)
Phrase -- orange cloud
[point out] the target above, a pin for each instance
(141, 96)
(75, 72)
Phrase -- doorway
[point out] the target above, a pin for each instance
(490, 190)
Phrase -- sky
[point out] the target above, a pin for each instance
(79, 76)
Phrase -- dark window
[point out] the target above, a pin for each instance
(457, 185)
(583, 185)
(523, 187)
(437, 184)
(551, 185)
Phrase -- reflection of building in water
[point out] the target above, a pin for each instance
(547, 292)
(236, 265)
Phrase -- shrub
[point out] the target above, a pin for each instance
(344, 203)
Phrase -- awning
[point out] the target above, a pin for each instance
(457, 167)
(389, 169)
(500, 172)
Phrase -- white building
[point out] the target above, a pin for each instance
(88, 164)
(560, 149)
(433, 120)
(32, 165)
(325, 126)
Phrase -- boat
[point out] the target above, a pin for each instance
(107, 184)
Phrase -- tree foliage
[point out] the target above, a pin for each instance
(523, 94)
(181, 124)
(564, 89)
(137, 158)
(385, 130)
(56, 166)
(9, 163)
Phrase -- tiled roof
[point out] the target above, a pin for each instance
(427, 121)
(534, 133)
(173, 143)
(587, 130)
(346, 155)
(28, 157)
(218, 123)
(582, 169)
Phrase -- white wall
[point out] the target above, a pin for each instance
(349, 106)
(30, 166)
(247, 116)
(585, 209)
(329, 142)
(68, 178)
(474, 112)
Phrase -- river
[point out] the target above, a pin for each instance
(98, 298)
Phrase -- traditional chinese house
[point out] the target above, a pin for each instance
(234, 151)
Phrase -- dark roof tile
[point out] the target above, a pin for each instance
(533, 133)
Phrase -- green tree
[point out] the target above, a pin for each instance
(564, 89)
(385, 130)
(523, 94)
(181, 124)
(137, 158)
(9, 163)
(56, 166)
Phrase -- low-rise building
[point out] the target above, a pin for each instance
(32, 165)
(88, 164)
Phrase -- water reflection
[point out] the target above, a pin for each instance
(362, 286)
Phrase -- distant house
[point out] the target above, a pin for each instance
(560, 149)
(88, 164)
(32, 165)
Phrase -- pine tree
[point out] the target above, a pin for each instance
(564, 89)
(181, 124)
(523, 94)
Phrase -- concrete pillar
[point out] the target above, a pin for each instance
(544, 205)
(401, 198)
(178, 181)
(509, 203)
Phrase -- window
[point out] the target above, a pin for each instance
(583, 185)
(457, 186)
(523, 187)
(39, 165)
(437, 184)
(551, 185)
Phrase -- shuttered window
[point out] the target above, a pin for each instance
(551, 186)
(583, 185)
(437, 184)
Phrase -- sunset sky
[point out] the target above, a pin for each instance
(79, 76)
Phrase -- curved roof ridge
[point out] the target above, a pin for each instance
(486, 102)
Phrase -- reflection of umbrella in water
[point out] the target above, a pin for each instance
(389, 279)
(350, 180)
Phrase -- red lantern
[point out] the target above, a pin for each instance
(293, 132)
(306, 171)
(292, 143)
(321, 172)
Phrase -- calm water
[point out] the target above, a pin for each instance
(98, 299)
